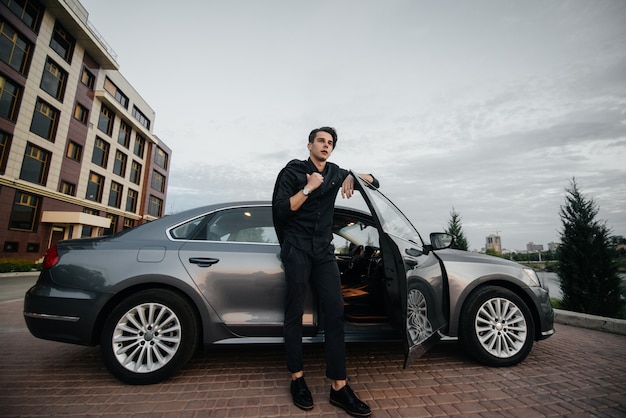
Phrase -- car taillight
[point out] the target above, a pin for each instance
(51, 257)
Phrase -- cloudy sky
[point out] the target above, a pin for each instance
(487, 107)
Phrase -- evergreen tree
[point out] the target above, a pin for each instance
(587, 262)
(455, 228)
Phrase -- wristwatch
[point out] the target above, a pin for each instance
(306, 191)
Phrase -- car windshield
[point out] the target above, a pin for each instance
(355, 233)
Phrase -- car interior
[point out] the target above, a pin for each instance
(361, 267)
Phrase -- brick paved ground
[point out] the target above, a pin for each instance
(576, 373)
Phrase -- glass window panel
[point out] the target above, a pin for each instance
(24, 212)
(44, 120)
(8, 98)
(35, 165)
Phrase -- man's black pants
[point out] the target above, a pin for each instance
(323, 273)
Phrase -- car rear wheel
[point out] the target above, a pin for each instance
(497, 327)
(149, 336)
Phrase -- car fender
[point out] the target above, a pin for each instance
(463, 284)
(210, 324)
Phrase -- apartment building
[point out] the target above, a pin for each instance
(78, 157)
(493, 242)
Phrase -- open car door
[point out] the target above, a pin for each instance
(417, 291)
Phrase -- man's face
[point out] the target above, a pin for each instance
(322, 146)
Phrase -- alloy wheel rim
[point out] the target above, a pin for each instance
(418, 325)
(501, 327)
(146, 338)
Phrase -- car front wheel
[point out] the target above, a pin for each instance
(418, 325)
(149, 336)
(497, 327)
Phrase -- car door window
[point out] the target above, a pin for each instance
(251, 224)
(393, 221)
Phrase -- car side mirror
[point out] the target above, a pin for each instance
(441, 240)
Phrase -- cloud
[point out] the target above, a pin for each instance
(489, 107)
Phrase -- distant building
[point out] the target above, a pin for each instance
(77, 154)
(532, 247)
(493, 242)
(553, 246)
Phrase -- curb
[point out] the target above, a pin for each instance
(20, 274)
(599, 323)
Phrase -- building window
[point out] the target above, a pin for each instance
(123, 136)
(87, 78)
(106, 119)
(113, 227)
(100, 152)
(161, 158)
(158, 181)
(45, 120)
(53, 80)
(5, 145)
(155, 207)
(140, 144)
(32, 247)
(119, 167)
(67, 188)
(135, 172)
(94, 187)
(62, 43)
(128, 223)
(81, 113)
(10, 246)
(24, 212)
(88, 230)
(145, 122)
(115, 92)
(9, 93)
(13, 49)
(131, 201)
(74, 151)
(115, 195)
(28, 11)
(35, 165)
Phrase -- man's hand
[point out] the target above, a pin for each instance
(347, 187)
(314, 181)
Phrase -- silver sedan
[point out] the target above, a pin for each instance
(151, 295)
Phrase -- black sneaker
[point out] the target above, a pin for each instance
(301, 395)
(346, 399)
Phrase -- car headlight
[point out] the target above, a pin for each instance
(534, 280)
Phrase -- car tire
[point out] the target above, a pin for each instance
(496, 327)
(149, 336)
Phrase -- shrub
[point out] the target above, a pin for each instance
(8, 265)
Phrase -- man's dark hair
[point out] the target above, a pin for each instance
(326, 129)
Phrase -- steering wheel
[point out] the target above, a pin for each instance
(357, 254)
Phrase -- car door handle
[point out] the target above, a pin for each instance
(204, 262)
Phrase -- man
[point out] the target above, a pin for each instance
(303, 204)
